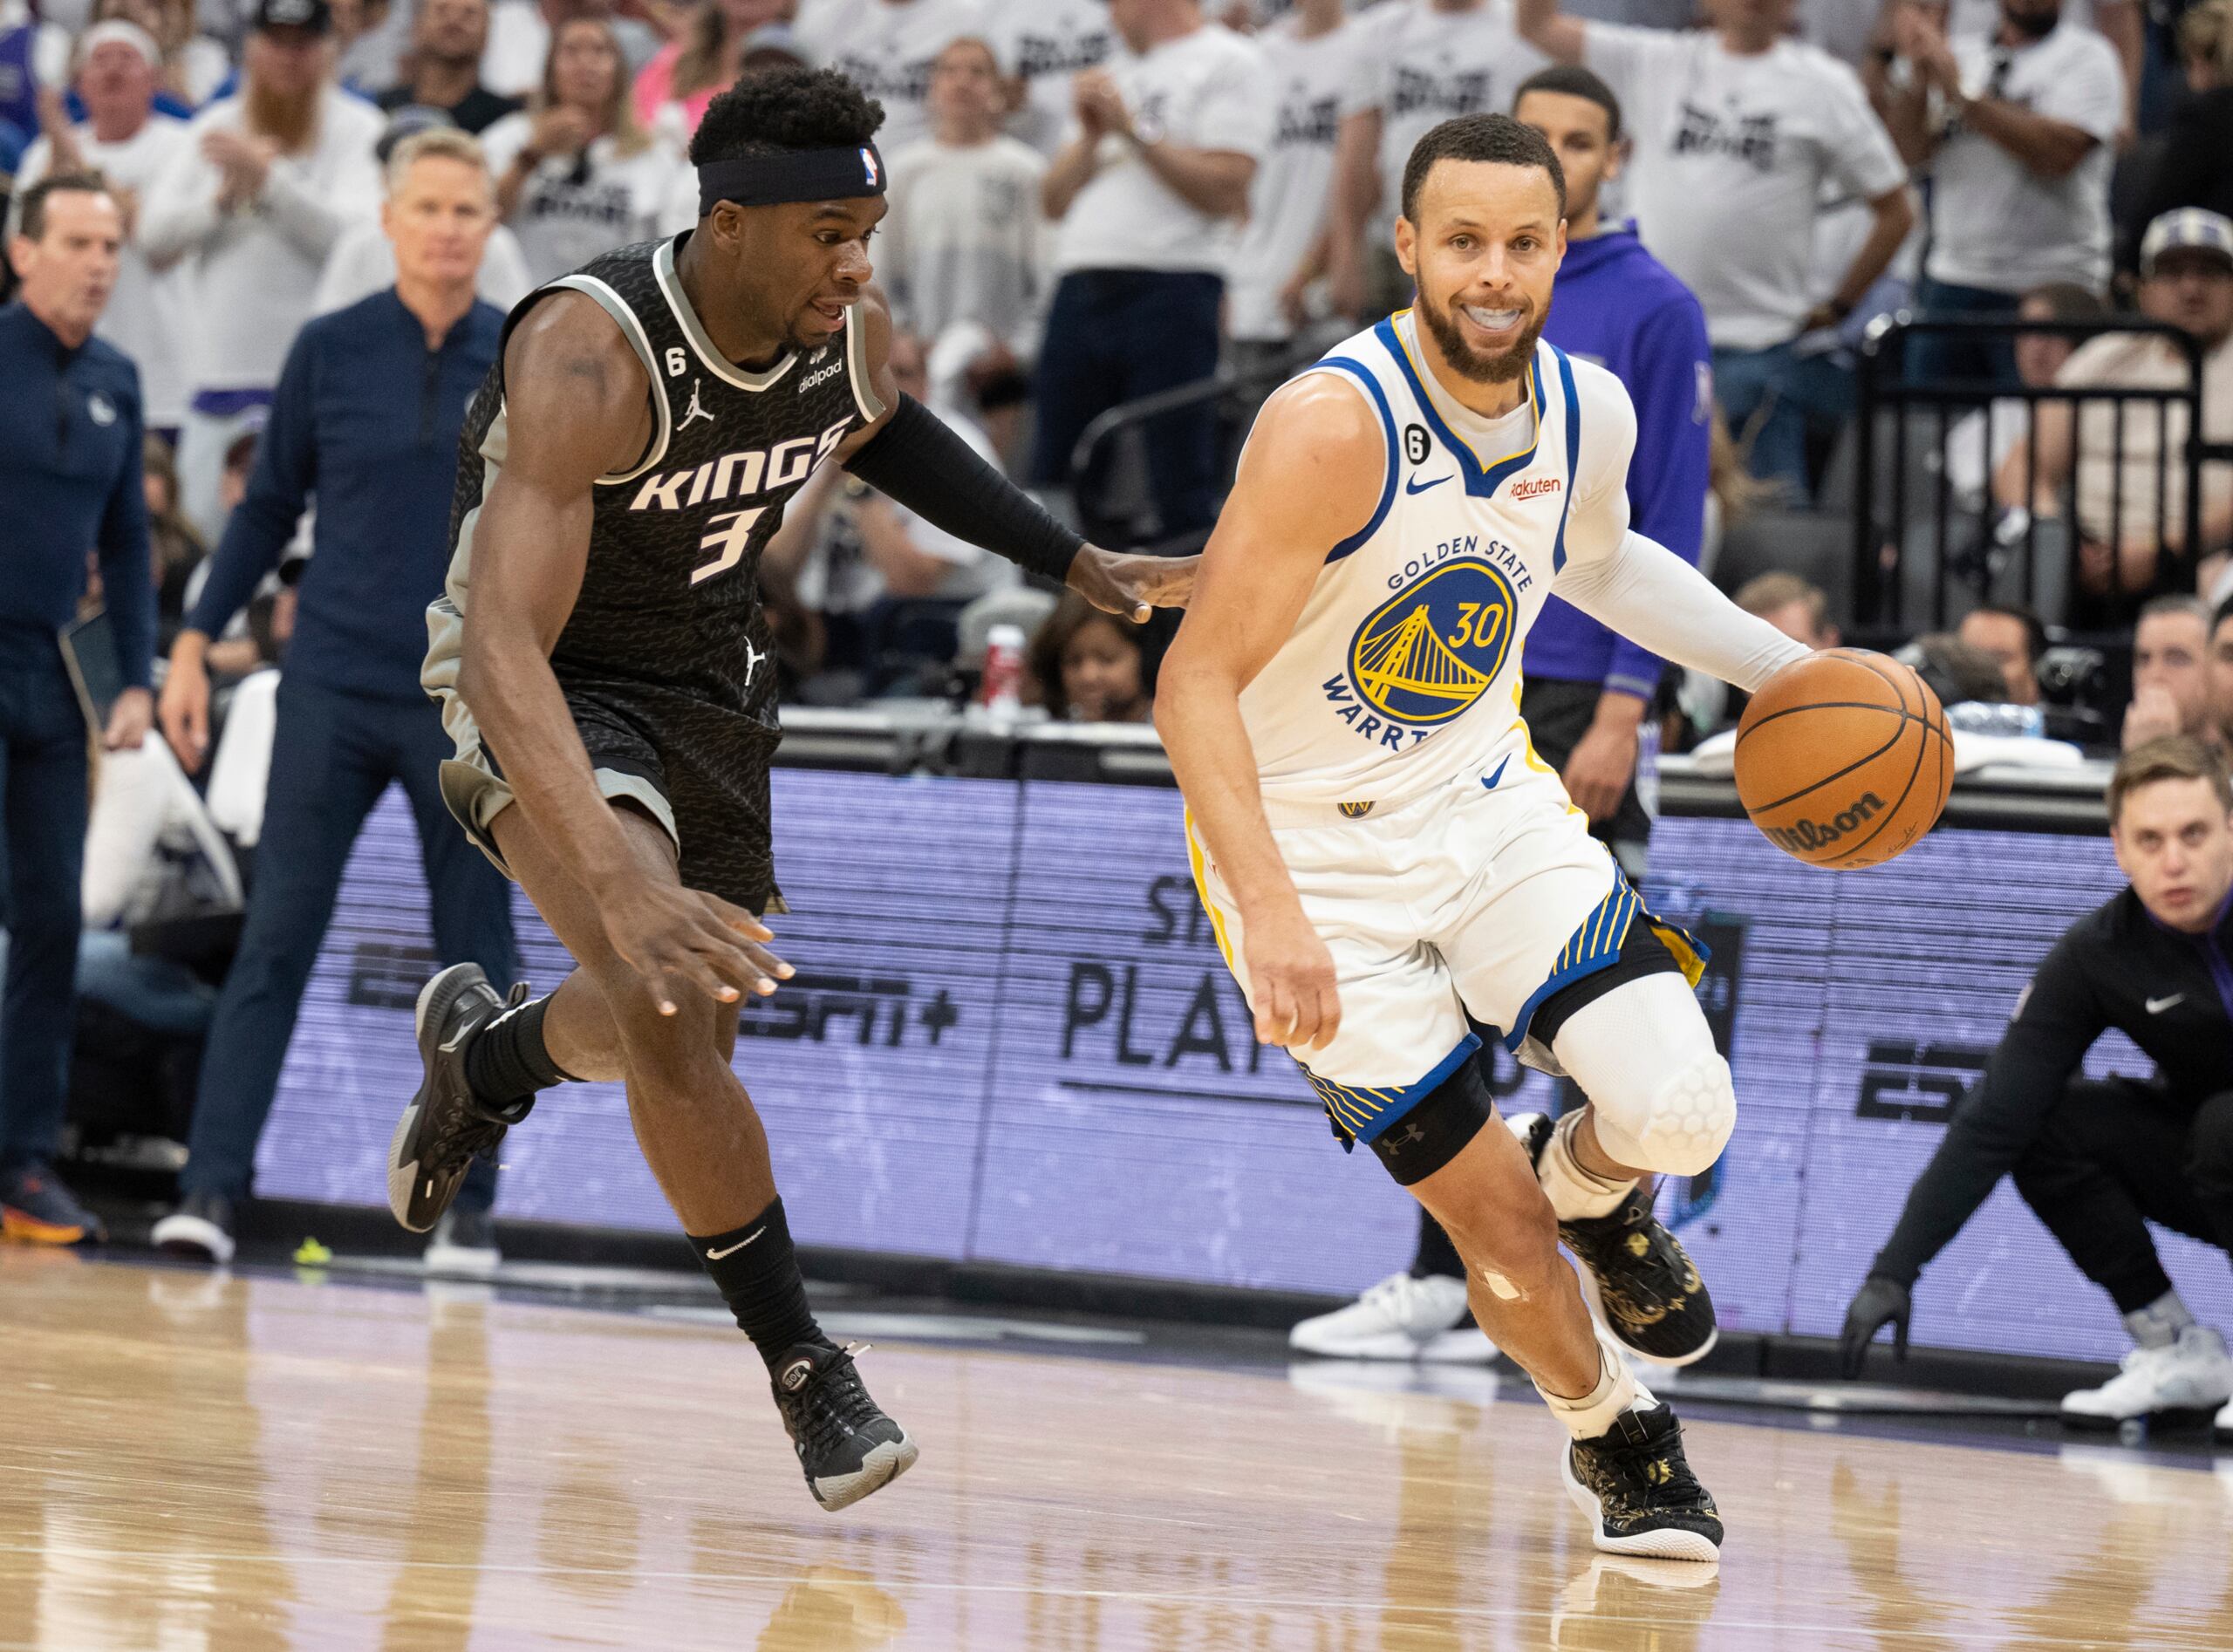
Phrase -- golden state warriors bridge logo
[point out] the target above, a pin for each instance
(1427, 653)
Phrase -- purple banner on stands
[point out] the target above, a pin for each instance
(1011, 1039)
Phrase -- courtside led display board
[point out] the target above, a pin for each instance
(1011, 1039)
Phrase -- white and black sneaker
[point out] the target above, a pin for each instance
(202, 1229)
(1634, 1484)
(1637, 1276)
(847, 1446)
(446, 1124)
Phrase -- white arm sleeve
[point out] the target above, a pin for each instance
(1636, 586)
(1652, 597)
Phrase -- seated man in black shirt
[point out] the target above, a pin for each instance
(446, 41)
(2098, 1161)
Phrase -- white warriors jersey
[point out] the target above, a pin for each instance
(1402, 671)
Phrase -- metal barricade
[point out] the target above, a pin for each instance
(1237, 391)
(1927, 549)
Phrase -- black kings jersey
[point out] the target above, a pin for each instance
(669, 606)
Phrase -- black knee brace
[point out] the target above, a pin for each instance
(1436, 1131)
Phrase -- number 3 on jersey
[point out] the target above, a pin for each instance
(732, 529)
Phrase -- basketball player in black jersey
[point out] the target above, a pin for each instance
(603, 664)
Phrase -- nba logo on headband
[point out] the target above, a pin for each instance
(868, 167)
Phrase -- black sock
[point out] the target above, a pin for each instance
(758, 1273)
(507, 1059)
(1436, 1254)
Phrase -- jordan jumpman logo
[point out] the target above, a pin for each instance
(696, 410)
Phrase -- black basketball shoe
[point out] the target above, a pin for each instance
(446, 1124)
(847, 1446)
(1639, 1493)
(1639, 1278)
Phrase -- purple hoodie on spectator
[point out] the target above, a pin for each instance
(1616, 305)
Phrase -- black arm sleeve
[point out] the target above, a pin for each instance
(2055, 1025)
(918, 461)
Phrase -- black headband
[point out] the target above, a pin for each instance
(792, 175)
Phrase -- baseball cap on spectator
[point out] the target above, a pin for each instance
(771, 40)
(313, 17)
(2187, 226)
(117, 32)
(409, 122)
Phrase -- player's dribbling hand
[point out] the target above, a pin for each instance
(1291, 983)
(1877, 1303)
(674, 937)
(1132, 586)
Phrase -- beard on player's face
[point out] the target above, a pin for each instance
(1483, 366)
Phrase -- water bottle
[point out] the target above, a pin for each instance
(1002, 693)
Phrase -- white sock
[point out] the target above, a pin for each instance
(1617, 1390)
(2158, 1325)
(1575, 1194)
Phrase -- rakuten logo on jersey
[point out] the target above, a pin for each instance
(739, 476)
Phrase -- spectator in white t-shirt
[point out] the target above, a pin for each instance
(129, 143)
(2122, 22)
(1418, 63)
(1284, 251)
(1743, 139)
(268, 180)
(1150, 193)
(576, 175)
(963, 241)
(1043, 45)
(2018, 128)
(886, 47)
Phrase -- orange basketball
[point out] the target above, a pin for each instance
(1843, 759)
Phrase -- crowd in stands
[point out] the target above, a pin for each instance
(1098, 202)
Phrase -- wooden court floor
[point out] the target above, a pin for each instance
(199, 1464)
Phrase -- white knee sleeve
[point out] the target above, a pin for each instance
(1662, 1095)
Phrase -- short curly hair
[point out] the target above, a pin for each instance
(781, 109)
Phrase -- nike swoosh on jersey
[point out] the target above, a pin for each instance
(1415, 486)
(1489, 783)
(2157, 1005)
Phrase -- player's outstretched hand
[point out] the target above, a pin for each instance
(1291, 983)
(1879, 1302)
(1131, 586)
(675, 937)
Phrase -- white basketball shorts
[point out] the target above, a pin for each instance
(1470, 904)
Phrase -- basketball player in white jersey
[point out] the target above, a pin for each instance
(1382, 851)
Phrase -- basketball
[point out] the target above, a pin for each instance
(1843, 759)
